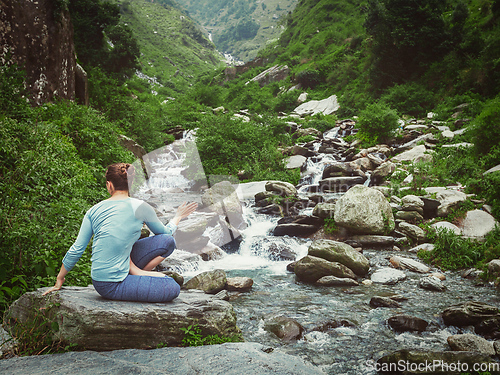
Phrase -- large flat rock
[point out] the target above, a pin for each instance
(326, 106)
(94, 323)
(225, 359)
(477, 224)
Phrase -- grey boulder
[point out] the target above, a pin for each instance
(471, 343)
(95, 323)
(477, 224)
(403, 323)
(340, 252)
(311, 269)
(431, 283)
(211, 282)
(224, 359)
(387, 276)
(364, 210)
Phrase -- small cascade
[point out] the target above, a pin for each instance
(368, 179)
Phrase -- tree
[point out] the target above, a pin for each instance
(90, 18)
(93, 20)
(123, 56)
(408, 35)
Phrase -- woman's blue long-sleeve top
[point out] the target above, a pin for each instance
(115, 225)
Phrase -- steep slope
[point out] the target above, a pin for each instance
(364, 51)
(173, 49)
(240, 27)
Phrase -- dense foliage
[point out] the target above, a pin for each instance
(51, 171)
(100, 39)
(407, 37)
(228, 146)
(377, 123)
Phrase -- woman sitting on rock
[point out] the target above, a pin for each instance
(121, 263)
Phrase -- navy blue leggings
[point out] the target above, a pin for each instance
(143, 288)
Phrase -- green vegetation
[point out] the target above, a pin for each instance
(35, 336)
(228, 146)
(193, 337)
(51, 171)
(305, 139)
(452, 252)
(377, 123)
(100, 39)
(173, 50)
(330, 226)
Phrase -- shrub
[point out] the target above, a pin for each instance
(452, 252)
(308, 78)
(95, 137)
(486, 127)
(410, 98)
(377, 122)
(285, 102)
(47, 189)
(330, 226)
(227, 146)
(194, 337)
(207, 95)
(322, 124)
(12, 92)
(305, 139)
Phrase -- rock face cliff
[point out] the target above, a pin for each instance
(38, 35)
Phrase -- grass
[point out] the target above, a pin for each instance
(453, 252)
(194, 337)
(173, 50)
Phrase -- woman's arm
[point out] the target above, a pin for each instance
(134, 270)
(149, 217)
(183, 211)
(74, 253)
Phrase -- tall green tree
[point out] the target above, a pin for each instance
(408, 35)
(93, 21)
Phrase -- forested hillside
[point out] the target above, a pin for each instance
(240, 27)
(426, 51)
(173, 48)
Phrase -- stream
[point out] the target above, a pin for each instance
(343, 350)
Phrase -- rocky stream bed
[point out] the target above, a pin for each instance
(347, 302)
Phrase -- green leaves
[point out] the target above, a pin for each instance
(452, 252)
(193, 337)
(377, 122)
(227, 146)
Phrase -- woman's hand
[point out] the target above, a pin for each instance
(59, 283)
(184, 210)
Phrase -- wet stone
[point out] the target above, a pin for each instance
(469, 313)
(373, 240)
(431, 283)
(285, 328)
(336, 281)
(387, 276)
(379, 301)
(403, 323)
(471, 343)
(239, 284)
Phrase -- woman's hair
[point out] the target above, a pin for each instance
(120, 174)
